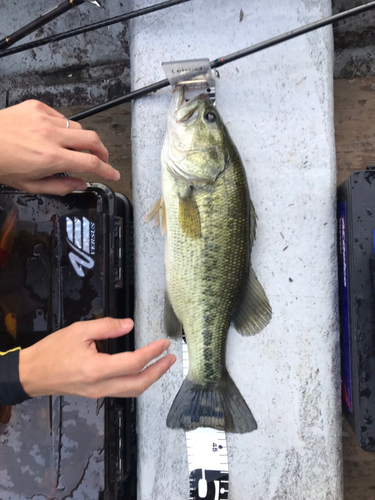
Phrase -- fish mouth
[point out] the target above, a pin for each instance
(186, 110)
(197, 99)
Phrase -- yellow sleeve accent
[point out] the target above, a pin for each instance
(11, 350)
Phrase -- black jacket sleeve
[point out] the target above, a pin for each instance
(11, 391)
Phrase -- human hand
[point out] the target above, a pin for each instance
(35, 144)
(68, 362)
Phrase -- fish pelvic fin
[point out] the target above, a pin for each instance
(189, 217)
(254, 311)
(172, 324)
(220, 406)
(158, 211)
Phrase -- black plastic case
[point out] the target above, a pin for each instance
(356, 238)
(62, 260)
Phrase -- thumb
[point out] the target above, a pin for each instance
(106, 328)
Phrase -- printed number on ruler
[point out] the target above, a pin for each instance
(207, 458)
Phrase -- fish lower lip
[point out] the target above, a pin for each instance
(184, 104)
(200, 97)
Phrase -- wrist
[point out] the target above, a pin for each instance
(11, 390)
(28, 373)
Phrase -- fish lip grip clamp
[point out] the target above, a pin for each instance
(195, 75)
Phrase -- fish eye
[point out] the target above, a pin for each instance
(210, 117)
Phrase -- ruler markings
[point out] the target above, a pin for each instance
(207, 454)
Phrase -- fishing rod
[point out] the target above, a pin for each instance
(42, 20)
(91, 27)
(227, 59)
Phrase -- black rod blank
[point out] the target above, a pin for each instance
(91, 27)
(120, 100)
(292, 34)
(39, 22)
(226, 59)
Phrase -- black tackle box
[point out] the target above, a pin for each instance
(356, 238)
(62, 260)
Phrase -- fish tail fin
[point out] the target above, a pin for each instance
(220, 406)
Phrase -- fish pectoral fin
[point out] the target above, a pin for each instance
(158, 211)
(254, 311)
(172, 324)
(154, 210)
(189, 217)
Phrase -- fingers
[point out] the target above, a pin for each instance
(143, 356)
(59, 186)
(104, 328)
(90, 164)
(61, 122)
(134, 385)
(123, 374)
(152, 373)
(38, 145)
(75, 367)
(129, 363)
(74, 138)
(79, 139)
(84, 140)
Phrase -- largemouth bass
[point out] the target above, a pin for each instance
(209, 221)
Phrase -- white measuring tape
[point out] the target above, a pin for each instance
(207, 457)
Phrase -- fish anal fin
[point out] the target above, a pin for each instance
(188, 216)
(254, 311)
(172, 324)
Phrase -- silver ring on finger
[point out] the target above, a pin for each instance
(67, 123)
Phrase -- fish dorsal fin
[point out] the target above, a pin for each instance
(158, 211)
(172, 324)
(188, 216)
(254, 311)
